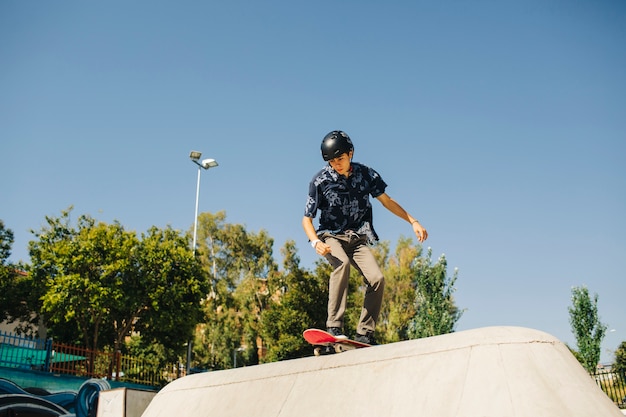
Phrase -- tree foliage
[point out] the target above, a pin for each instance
(297, 302)
(242, 265)
(7, 275)
(97, 282)
(168, 285)
(435, 310)
(587, 327)
(6, 243)
(18, 299)
(620, 359)
(13, 284)
(399, 299)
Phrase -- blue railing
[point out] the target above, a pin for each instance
(26, 353)
(50, 356)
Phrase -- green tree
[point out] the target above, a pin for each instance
(83, 270)
(436, 312)
(399, 303)
(587, 327)
(297, 302)
(162, 294)
(619, 365)
(241, 263)
(98, 282)
(7, 273)
(11, 290)
(6, 243)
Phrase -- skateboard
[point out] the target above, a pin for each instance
(321, 339)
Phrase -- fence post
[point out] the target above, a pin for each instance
(118, 364)
(48, 361)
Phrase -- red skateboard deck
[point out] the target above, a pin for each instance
(319, 338)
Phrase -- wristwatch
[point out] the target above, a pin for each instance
(314, 243)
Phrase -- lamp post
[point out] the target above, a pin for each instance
(204, 164)
(239, 349)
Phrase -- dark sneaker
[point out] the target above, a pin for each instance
(336, 331)
(366, 338)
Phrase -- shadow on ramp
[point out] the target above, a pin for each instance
(494, 371)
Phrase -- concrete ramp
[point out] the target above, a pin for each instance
(495, 371)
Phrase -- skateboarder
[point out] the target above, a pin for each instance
(340, 192)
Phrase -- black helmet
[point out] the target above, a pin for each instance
(335, 144)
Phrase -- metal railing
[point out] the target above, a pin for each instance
(22, 352)
(614, 385)
(49, 356)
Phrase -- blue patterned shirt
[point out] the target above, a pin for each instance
(344, 203)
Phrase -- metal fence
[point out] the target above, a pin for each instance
(614, 385)
(25, 353)
(49, 356)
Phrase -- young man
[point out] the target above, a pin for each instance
(340, 192)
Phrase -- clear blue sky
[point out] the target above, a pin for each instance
(500, 125)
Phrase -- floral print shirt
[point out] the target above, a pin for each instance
(344, 203)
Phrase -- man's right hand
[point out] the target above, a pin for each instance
(322, 248)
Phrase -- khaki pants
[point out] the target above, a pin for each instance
(352, 249)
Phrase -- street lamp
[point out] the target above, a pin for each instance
(206, 164)
(239, 349)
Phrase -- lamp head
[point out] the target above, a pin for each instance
(195, 155)
(209, 163)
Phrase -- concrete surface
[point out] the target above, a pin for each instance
(123, 402)
(495, 371)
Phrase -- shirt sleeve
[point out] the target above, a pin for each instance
(378, 185)
(310, 208)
